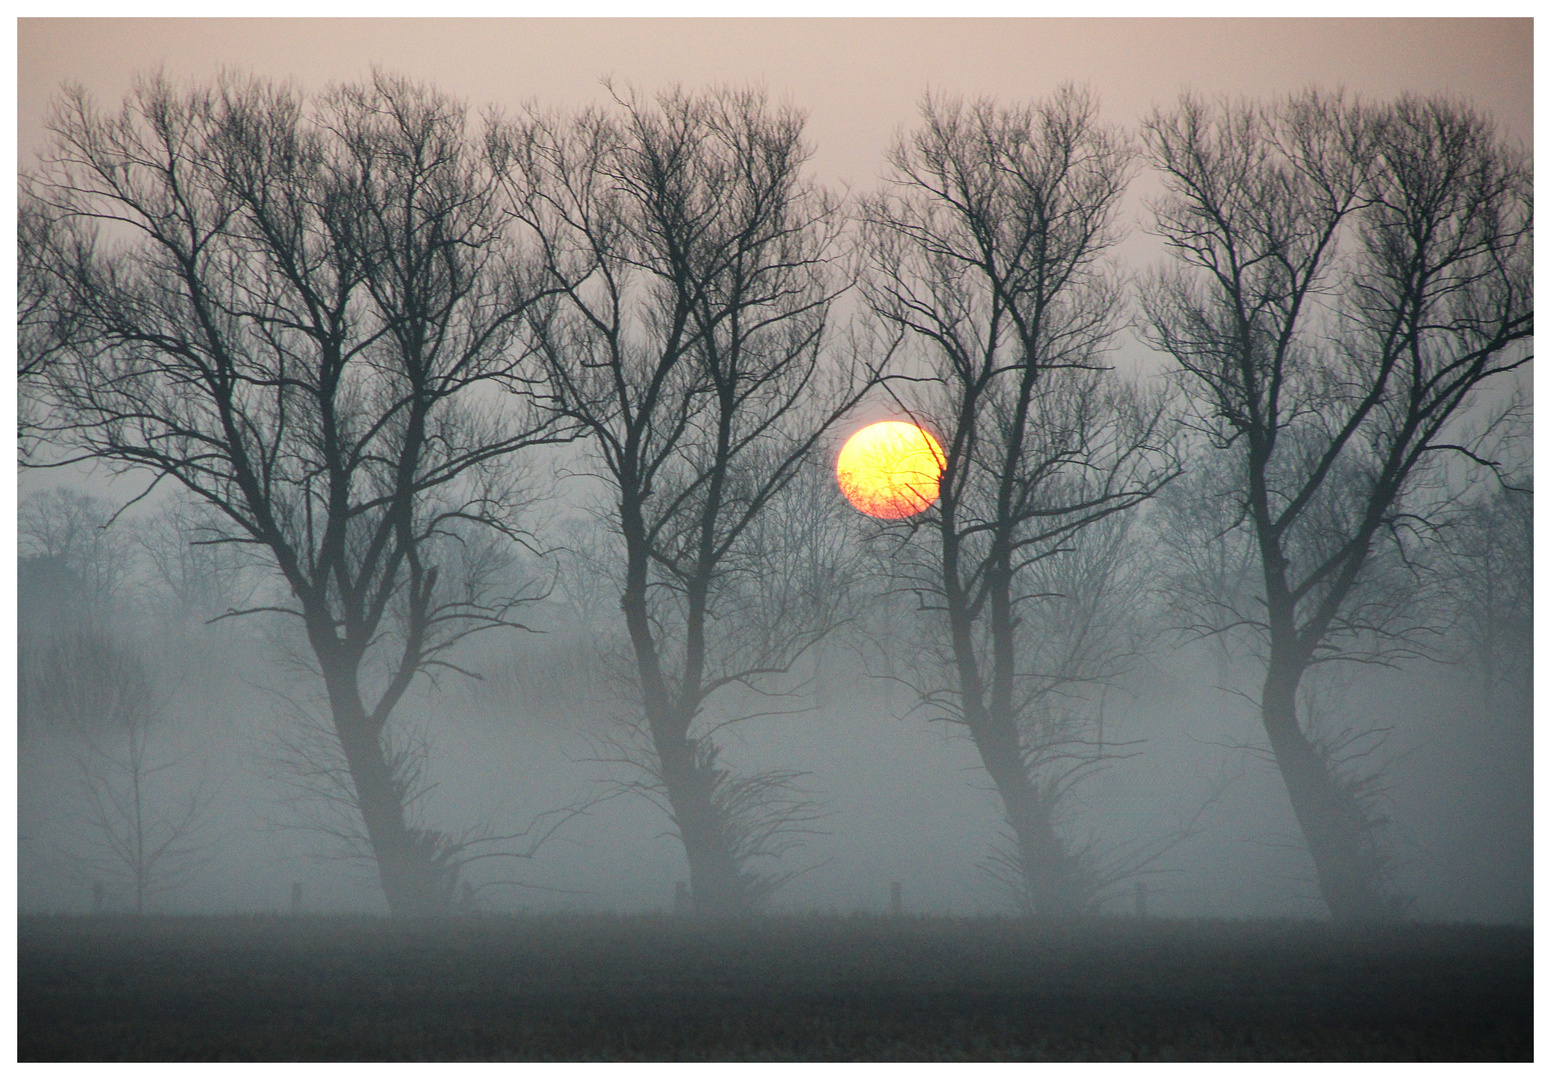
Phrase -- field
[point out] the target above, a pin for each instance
(593, 987)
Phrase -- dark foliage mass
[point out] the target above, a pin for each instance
(841, 988)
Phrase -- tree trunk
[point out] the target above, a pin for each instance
(411, 880)
(1048, 884)
(1049, 881)
(715, 884)
(690, 782)
(1347, 862)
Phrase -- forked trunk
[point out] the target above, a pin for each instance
(1347, 862)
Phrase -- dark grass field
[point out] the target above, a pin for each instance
(556, 987)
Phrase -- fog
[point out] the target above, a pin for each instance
(904, 800)
(526, 740)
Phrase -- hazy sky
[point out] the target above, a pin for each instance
(857, 78)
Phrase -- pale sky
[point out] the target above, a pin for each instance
(858, 79)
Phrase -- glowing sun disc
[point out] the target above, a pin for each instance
(890, 469)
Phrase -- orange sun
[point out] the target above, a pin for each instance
(890, 469)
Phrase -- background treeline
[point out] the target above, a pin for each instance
(478, 497)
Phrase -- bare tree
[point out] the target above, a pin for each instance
(1346, 278)
(301, 311)
(67, 541)
(1489, 576)
(147, 820)
(985, 251)
(194, 576)
(73, 573)
(695, 268)
(45, 326)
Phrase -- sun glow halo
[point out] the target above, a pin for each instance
(890, 469)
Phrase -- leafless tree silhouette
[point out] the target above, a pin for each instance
(985, 252)
(1346, 278)
(1489, 567)
(147, 819)
(301, 311)
(696, 269)
(45, 325)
